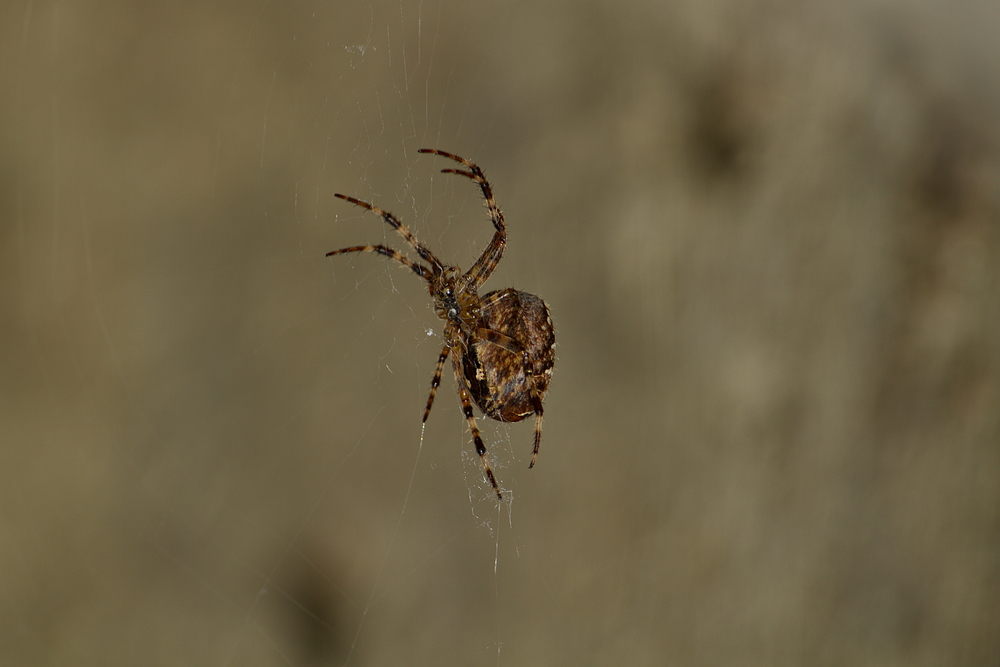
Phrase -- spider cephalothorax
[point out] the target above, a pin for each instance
(501, 344)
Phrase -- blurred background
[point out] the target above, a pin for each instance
(769, 235)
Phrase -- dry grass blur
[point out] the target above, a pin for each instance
(770, 239)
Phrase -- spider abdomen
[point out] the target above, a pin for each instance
(501, 383)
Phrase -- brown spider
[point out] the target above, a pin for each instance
(501, 343)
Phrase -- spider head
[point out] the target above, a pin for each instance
(445, 292)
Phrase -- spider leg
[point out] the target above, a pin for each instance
(418, 269)
(436, 381)
(501, 340)
(487, 262)
(537, 404)
(463, 397)
(394, 222)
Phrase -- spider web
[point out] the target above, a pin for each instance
(767, 233)
(271, 494)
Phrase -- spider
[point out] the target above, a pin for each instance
(501, 343)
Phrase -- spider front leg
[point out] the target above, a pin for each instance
(391, 253)
(463, 397)
(488, 261)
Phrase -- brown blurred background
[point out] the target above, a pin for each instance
(769, 234)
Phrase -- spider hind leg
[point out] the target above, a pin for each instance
(470, 417)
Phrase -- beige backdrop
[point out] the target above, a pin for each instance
(768, 233)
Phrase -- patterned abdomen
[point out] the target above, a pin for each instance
(495, 376)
